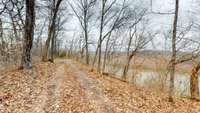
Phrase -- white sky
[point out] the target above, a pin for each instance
(158, 22)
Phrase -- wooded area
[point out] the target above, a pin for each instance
(105, 35)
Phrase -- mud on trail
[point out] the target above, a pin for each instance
(69, 87)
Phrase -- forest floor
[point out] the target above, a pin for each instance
(70, 87)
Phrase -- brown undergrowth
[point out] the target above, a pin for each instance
(81, 91)
(20, 88)
(128, 98)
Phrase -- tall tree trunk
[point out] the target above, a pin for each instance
(28, 34)
(101, 35)
(99, 51)
(86, 37)
(194, 86)
(1, 29)
(52, 23)
(53, 46)
(127, 65)
(173, 58)
(14, 26)
(99, 58)
(2, 44)
(95, 57)
(47, 43)
(87, 53)
(105, 53)
(1, 32)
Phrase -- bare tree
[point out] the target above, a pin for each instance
(136, 38)
(2, 43)
(119, 21)
(28, 35)
(83, 11)
(140, 41)
(105, 10)
(55, 4)
(58, 28)
(14, 11)
(113, 16)
(173, 57)
(178, 39)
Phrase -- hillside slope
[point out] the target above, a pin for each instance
(69, 87)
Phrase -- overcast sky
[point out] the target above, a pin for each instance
(157, 22)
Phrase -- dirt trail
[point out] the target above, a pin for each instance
(93, 90)
(69, 87)
(50, 99)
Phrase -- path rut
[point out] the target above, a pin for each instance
(93, 90)
(50, 98)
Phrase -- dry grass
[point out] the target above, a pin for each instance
(10, 65)
(150, 63)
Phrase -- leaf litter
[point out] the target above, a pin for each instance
(70, 87)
